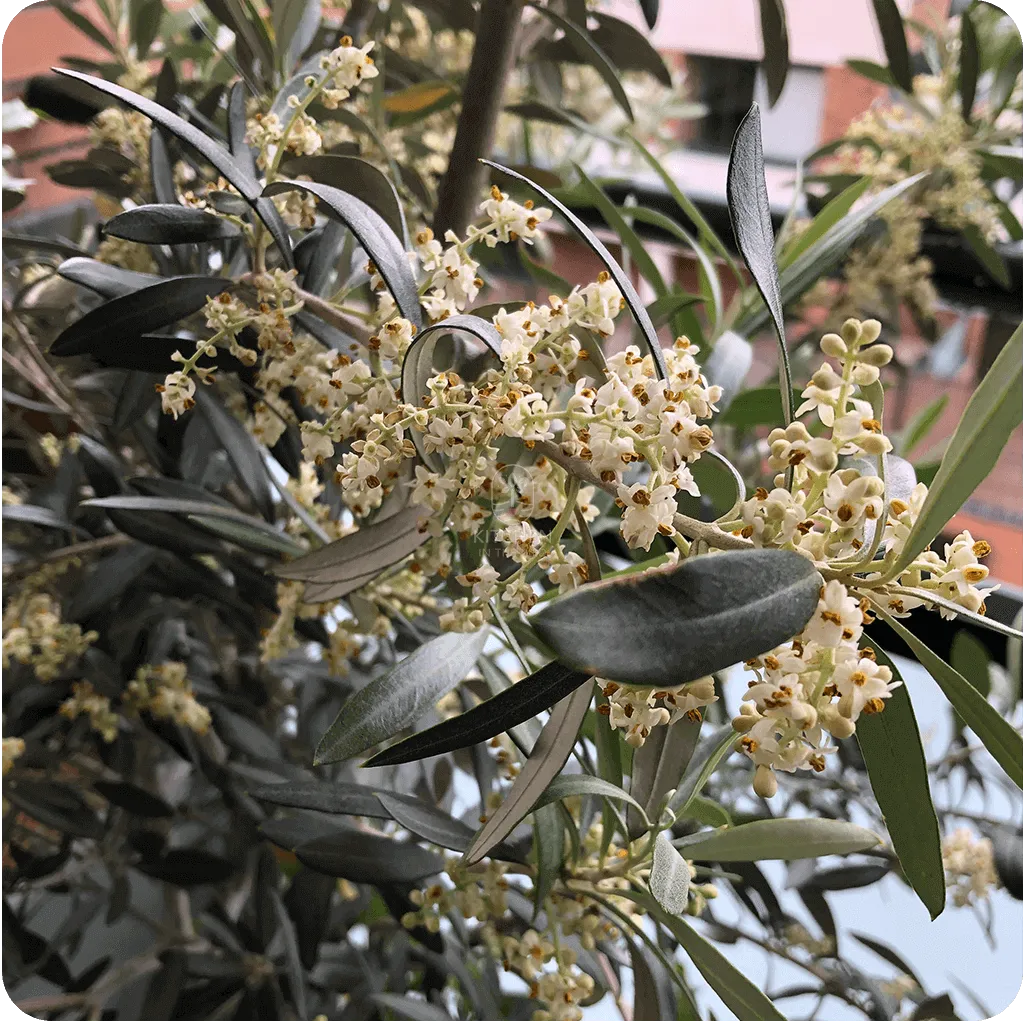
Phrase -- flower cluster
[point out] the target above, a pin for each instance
(165, 692)
(636, 710)
(86, 701)
(33, 634)
(13, 748)
(969, 865)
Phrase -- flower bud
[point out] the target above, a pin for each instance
(834, 346)
(863, 374)
(877, 355)
(869, 331)
(875, 444)
(765, 784)
(851, 332)
(841, 727)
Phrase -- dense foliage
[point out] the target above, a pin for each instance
(368, 632)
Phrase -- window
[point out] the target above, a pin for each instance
(727, 87)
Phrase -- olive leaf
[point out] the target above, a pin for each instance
(737, 991)
(546, 760)
(169, 224)
(890, 744)
(353, 561)
(670, 876)
(106, 280)
(417, 366)
(136, 313)
(512, 706)
(666, 626)
(358, 178)
(629, 293)
(894, 39)
(1001, 740)
(382, 245)
(751, 217)
(778, 839)
(775, 39)
(394, 700)
(991, 416)
(231, 168)
(359, 857)
(658, 766)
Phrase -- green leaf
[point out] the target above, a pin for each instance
(432, 824)
(590, 53)
(708, 812)
(894, 39)
(894, 757)
(139, 312)
(234, 171)
(368, 859)
(669, 625)
(778, 839)
(751, 219)
(396, 698)
(991, 416)
(583, 785)
(970, 657)
(169, 224)
(418, 364)
(509, 708)
(706, 758)
(755, 407)
(382, 245)
(887, 954)
(345, 565)
(922, 422)
(1006, 74)
(546, 760)
(670, 876)
(616, 221)
(970, 60)
(775, 39)
(629, 293)
(820, 258)
(737, 991)
(255, 536)
(145, 25)
(657, 219)
(629, 49)
(998, 736)
(987, 256)
(407, 1007)
(549, 851)
(36, 515)
(358, 178)
(320, 795)
(287, 17)
(85, 26)
(704, 229)
(829, 215)
(658, 767)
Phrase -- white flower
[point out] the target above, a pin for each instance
(647, 513)
(510, 219)
(850, 503)
(460, 618)
(863, 685)
(838, 617)
(316, 446)
(482, 581)
(795, 446)
(176, 393)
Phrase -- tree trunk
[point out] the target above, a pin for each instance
(461, 187)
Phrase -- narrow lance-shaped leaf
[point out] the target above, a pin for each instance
(511, 707)
(778, 839)
(136, 313)
(169, 224)
(775, 39)
(232, 169)
(368, 859)
(670, 876)
(666, 626)
(658, 766)
(591, 53)
(347, 564)
(546, 760)
(417, 367)
(751, 216)
(970, 60)
(380, 242)
(894, 39)
(396, 698)
(991, 416)
(737, 991)
(894, 757)
(629, 293)
(1000, 739)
